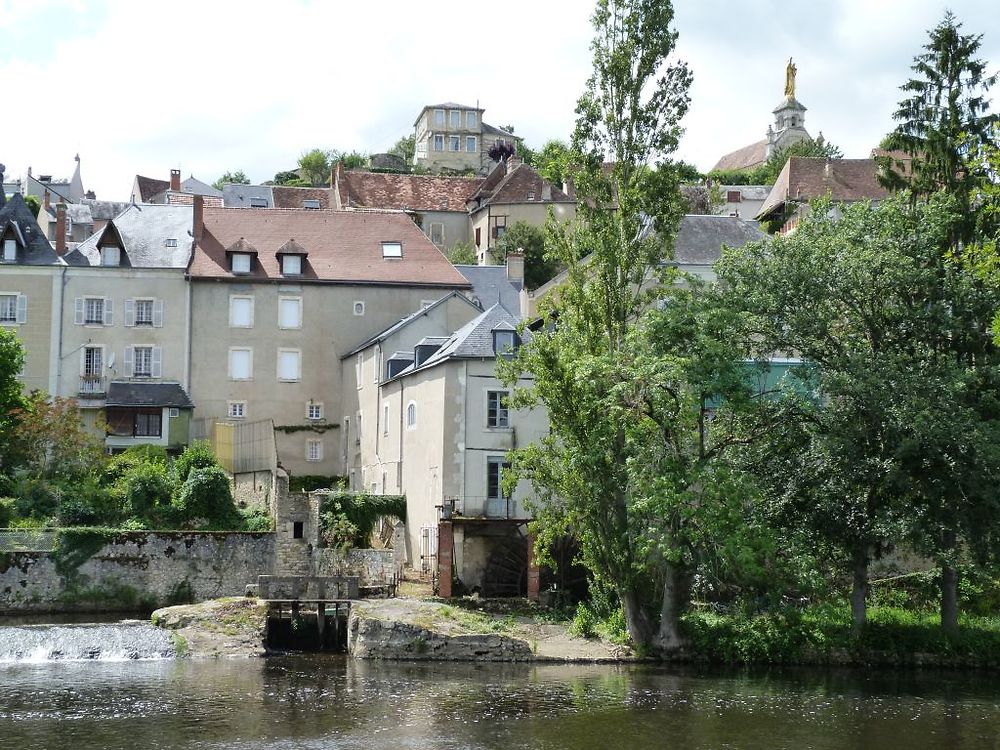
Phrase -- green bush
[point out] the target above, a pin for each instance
(198, 455)
(119, 465)
(255, 519)
(206, 499)
(145, 488)
(7, 511)
(312, 482)
(348, 519)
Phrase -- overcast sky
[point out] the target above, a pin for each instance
(210, 86)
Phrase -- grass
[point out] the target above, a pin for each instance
(479, 622)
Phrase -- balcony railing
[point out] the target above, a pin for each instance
(482, 507)
(93, 385)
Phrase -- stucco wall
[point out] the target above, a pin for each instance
(39, 334)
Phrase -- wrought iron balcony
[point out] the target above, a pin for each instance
(471, 506)
(93, 386)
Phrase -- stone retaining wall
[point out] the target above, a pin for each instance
(135, 571)
(374, 567)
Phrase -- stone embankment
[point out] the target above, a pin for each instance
(229, 627)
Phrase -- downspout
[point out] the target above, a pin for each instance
(54, 383)
(187, 334)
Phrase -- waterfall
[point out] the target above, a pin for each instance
(106, 642)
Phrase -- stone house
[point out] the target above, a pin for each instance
(125, 327)
(277, 297)
(453, 137)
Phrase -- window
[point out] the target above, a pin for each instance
(314, 450)
(310, 203)
(495, 466)
(93, 361)
(392, 249)
(439, 118)
(240, 364)
(411, 415)
(142, 361)
(258, 202)
(496, 409)
(504, 343)
(289, 312)
(8, 308)
(241, 312)
(9, 251)
(478, 236)
(470, 144)
(437, 233)
(111, 256)
(93, 311)
(438, 142)
(314, 410)
(240, 263)
(499, 231)
(148, 423)
(289, 364)
(531, 195)
(734, 196)
(170, 242)
(298, 528)
(385, 418)
(291, 265)
(456, 119)
(455, 143)
(143, 312)
(376, 356)
(357, 368)
(236, 409)
(470, 120)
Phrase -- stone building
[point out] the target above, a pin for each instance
(452, 137)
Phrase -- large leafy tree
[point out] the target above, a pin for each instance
(538, 268)
(767, 173)
(12, 401)
(238, 177)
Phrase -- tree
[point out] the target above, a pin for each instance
(232, 178)
(553, 161)
(593, 470)
(315, 166)
(51, 441)
(944, 120)
(12, 401)
(767, 173)
(463, 253)
(405, 148)
(34, 204)
(538, 268)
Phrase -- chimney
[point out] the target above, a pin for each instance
(46, 200)
(198, 218)
(175, 180)
(512, 163)
(515, 266)
(60, 228)
(546, 191)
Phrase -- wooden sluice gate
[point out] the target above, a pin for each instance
(307, 613)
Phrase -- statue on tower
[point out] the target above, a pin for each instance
(790, 72)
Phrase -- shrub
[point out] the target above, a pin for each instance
(255, 519)
(198, 455)
(145, 488)
(137, 455)
(7, 513)
(206, 499)
(312, 482)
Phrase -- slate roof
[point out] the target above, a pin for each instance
(148, 394)
(491, 130)
(150, 187)
(700, 237)
(490, 286)
(196, 187)
(403, 322)
(743, 158)
(238, 196)
(404, 192)
(343, 246)
(144, 230)
(15, 214)
(805, 178)
(104, 210)
(474, 340)
(504, 185)
(78, 213)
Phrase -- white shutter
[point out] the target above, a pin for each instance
(83, 361)
(129, 362)
(129, 312)
(158, 313)
(78, 312)
(109, 311)
(22, 308)
(157, 367)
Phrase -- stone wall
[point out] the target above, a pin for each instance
(253, 489)
(135, 570)
(373, 567)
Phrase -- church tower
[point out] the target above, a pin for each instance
(789, 117)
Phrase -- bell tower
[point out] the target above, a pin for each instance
(789, 116)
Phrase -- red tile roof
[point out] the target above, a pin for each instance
(406, 192)
(805, 178)
(292, 197)
(743, 158)
(343, 246)
(518, 184)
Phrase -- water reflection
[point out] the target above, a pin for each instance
(332, 702)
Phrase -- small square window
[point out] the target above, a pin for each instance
(237, 410)
(504, 343)
(314, 411)
(240, 263)
(734, 196)
(291, 265)
(392, 249)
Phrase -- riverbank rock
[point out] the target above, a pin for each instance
(402, 629)
(229, 627)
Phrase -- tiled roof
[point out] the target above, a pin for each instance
(490, 286)
(150, 187)
(474, 340)
(744, 158)
(405, 191)
(521, 184)
(805, 178)
(293, 197)
(239, 196)
(343, 246)
(104, 210)
(196, 187)
(145, 231)
(148, 394)
(16, 216)
(78, 213)
(700, 239)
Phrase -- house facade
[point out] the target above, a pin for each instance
(452, 137)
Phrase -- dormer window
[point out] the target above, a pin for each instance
(392, 249)
(258, 202)
(531, 195)
(240, 262)
(9, 251)
(291, 265)
(111, 256)
(504, 343)
(311, 203)
(170, 242)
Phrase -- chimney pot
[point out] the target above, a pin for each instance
(175, 180)
(60, 228)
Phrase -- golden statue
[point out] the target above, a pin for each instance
(790, 79)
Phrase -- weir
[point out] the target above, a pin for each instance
(124, 641)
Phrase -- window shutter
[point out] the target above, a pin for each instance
(78, 312)
(158, 313)
(129, 362)
(129, 312)
(83, 361)
(109, 311)
(157, 367)
(22, 308)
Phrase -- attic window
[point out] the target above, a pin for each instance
(170, 242)
(734, 196)
(111, 256)
(531, 195)
(258, 203)
(310, 203)
(392, 249)
(9, 251)
(239, 262)
(291, 265)
(504, 343)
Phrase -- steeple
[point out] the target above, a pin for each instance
(3, 192)
(789, 116)
(76, 193)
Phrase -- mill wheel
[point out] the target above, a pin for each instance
(507, 568)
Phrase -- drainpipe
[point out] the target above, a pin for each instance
(55, 375)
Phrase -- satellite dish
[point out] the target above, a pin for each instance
(111, 360)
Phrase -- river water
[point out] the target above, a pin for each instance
(323, 702)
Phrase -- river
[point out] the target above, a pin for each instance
(324, 702)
